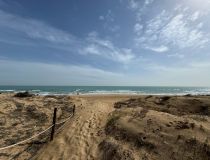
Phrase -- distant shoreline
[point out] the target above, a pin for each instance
(106, 90)
(108, 94)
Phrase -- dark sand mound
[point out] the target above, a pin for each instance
(161, 128)
(23, 94)
(176, 105)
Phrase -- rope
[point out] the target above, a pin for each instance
(26, 139)
(35, 135)
(63, 124)
(64, 120)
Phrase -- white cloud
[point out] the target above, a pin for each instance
(203, 5)
(133, 4)
(101, 18)
(34, 29)
(174, 30)
(114, 28)
(176, 55)
(91, 49)
(193, 74)
(148, 2)
(105, 48)
(195, 16)
(158, 49)
(200, 25)
(125, 55)
(26, 73)
(178, 32)
(108, 21)
(138, 28)
(109, 16)
(203, 64)
(188, 66)
(140, 5)
(56, 38)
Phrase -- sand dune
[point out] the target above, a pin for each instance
(159, 128)
(116, 127)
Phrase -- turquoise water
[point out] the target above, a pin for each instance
(46, 90)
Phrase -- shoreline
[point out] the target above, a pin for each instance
(107, 90)
(108, 94)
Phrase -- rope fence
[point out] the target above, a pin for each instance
(42, 132)
(34, 136)
(63, 124)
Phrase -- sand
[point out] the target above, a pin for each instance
(81, 139)
(116, 127)
(21, 118)
(159, 128)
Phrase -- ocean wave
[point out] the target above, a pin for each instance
(129, 92)
(106, 92)
(7, 90)
(115, 90)
(35, 90)
(55, 93)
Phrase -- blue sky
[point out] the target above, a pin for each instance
(120, 42)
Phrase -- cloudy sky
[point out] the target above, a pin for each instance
(105, 42)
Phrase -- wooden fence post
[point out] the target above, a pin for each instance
(73, 109)
(53, 127)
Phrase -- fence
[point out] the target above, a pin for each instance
(52, 128)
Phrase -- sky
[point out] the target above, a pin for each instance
(105, 42)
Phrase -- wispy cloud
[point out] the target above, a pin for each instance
(105, 48)
(108, 20)
(159, 49)
(133, 4)
(26, 73)
(138, 28)
(109, 16)
(34, 29)
(176, 55)
(195, 16)
(101, 18)
(148, 2)
(91, 49)
(139, 5)
(172, 29)
(191, 74)
(50, 36)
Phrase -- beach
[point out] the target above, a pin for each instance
(105, 80)
(107, 127)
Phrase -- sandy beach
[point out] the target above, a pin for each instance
(105, 80)
(107, 127)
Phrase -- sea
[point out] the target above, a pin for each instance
(91, 90)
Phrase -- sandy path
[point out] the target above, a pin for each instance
(80, 138)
